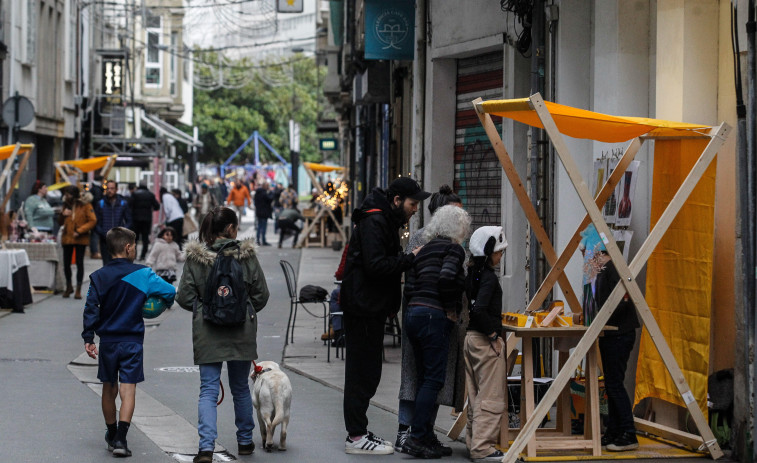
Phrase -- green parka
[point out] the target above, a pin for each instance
(212, 343)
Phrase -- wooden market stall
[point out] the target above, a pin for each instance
(559, 120)
(316, 221)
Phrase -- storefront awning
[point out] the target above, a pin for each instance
(6, 151)
(88, 164)
(169, 131)
(580, 123)
(321, 167)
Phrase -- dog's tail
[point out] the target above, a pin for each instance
(281, 408)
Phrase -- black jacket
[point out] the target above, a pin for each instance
(143, 203)
(624, 317)
(486, 304)
(437, 277)
(262, 201)
(375, 262)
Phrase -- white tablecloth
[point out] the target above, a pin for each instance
(10, 261)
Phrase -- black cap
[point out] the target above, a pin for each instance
(408, 188)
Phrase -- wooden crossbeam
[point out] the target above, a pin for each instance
(525, 202)
(575, 240)
(628, 284)
(16, 177)
(8, 165)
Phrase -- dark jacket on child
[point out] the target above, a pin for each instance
(486, 304)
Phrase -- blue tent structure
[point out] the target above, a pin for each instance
(258, 138)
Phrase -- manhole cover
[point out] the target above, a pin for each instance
(179, 369)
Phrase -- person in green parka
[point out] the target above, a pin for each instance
(213, 344)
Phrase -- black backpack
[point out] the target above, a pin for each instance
(226, 298)
(312, 293)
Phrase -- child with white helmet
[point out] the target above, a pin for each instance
(484, 349)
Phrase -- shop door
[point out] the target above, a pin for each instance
(478, 174)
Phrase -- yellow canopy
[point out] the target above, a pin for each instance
(321, 167)
(89, 164)
(580, 123)
(6, 151)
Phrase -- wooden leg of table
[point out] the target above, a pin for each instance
(563, 402)
(527, 392)
(592, 401)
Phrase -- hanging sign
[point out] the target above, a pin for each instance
(289, 6)
(390, 29)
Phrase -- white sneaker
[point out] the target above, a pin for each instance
(368, 445)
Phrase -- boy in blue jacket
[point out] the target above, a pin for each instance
(113, 311)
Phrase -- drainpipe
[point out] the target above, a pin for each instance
(418, 118)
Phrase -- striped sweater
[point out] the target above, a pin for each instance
(437, 278)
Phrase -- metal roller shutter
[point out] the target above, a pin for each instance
(478, 174)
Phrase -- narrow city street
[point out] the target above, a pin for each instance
(49, 414)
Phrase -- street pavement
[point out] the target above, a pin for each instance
(49, 396)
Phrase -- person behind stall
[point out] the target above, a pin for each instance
(113, 311)
(165, 255)
(484, 350)
(287, 224)
(615, 346)
(452, 393)
(433, 289)
(78, 220)
(111, 211)
(39, 213)
(143, 204)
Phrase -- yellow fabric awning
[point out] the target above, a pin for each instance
(580, 123)
(6, 151)
(89, 164)
(321, 167)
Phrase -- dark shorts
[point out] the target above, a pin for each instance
(120, 360)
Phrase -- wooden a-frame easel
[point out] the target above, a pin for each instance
(717, 136)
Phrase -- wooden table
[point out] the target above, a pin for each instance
(561, 437)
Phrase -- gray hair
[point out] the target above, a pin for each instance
(449, 221)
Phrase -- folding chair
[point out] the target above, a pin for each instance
(294, 302)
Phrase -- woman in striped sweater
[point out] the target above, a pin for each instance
(433, 289)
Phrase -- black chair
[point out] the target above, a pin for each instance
(294, 302)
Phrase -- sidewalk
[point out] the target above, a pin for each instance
(307, 355)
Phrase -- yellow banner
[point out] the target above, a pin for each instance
(679, 277)
(89, 164)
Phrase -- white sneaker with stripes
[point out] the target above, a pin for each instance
(370, 444)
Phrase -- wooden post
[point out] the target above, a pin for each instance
(8, 165)
(575, 240)
(14, 182)
(525, 202)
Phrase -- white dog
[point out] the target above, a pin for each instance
(272, 397)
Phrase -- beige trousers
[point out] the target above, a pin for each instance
(486, 384)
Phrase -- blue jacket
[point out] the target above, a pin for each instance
(117, 293)
(113, 215)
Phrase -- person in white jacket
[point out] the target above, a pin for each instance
(174, 214)
(165, 255)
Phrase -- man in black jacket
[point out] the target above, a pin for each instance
(143, 203)
(370, 293)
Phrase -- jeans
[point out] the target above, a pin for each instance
(207, 414)
(262, 227)
(428, 330)
(615, 350)
(407, 411)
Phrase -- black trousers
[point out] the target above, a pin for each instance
(286, 227)
(364, 340)
(142, 228)
(104, 251)
(178, 225)
(615, 351)
(68, 250)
